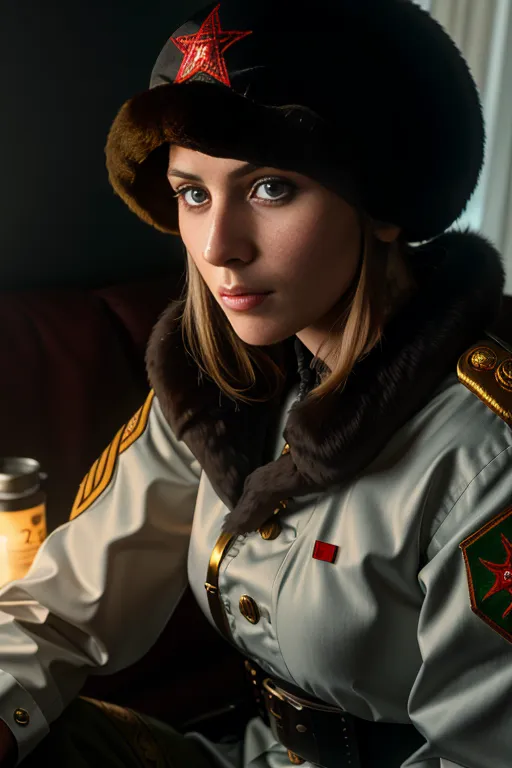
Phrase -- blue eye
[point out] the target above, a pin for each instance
(274, 189)
(192, 196)
(270, 190)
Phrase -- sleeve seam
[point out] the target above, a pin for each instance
(462, 493)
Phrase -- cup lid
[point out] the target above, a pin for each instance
(18, 475)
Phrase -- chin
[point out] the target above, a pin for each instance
(256, 335)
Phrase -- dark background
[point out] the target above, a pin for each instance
(65, 70)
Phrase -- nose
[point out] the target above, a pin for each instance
(228, 237)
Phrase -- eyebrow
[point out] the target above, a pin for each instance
(237, 173)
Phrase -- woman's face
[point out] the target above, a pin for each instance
(268, 231)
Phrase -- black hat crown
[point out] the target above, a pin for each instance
(371, 97)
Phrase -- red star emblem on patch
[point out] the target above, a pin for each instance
(203, 52)
(503, 573)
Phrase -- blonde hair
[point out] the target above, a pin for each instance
(231, 363)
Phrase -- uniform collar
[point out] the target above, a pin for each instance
(460, 283)
(309, 376)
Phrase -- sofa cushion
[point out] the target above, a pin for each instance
(72, 373)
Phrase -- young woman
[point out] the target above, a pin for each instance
(308, 458)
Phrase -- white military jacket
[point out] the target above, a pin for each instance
(402, 625)
(372, 633)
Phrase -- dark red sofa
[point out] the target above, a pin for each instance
(72, 374)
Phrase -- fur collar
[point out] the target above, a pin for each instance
(460, 278)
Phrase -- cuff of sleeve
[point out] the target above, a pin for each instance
(21, 714)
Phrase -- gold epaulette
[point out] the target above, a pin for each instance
(102, 471)
(486, 369)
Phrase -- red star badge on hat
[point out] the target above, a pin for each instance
(203, 51)
(503, 573)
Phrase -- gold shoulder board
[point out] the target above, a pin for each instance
(102, 471)
(486, 369)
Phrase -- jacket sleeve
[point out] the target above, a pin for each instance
(102, 586)
(461, 700)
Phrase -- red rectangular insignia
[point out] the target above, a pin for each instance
(324, 551)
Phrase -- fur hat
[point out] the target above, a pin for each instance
(370, 97)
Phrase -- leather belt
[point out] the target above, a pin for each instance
(327, 736)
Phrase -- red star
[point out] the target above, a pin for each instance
(203, 51)
(503, 573)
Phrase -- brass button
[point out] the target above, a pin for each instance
(249, 609)
(21, 716)
(285, 450)
(270, 530)
(504, 374)
(483, 359)
(295, 759)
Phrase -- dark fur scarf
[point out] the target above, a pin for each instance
(460, 279)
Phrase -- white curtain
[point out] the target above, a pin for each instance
(483, 31)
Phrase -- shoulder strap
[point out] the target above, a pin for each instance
(486, 370)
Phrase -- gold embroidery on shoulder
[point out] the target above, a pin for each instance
(486, 370)
(137, 424)
(91, 486)
(102, 471)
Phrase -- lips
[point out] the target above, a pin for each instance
(244, 301)
(241, 291)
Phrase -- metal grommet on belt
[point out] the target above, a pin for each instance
(21, 716)
(249, 609)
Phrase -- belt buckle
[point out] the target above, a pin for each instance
(273, 701)
(276, 701)
(273, 690)
(275, 704)
(298, 729)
